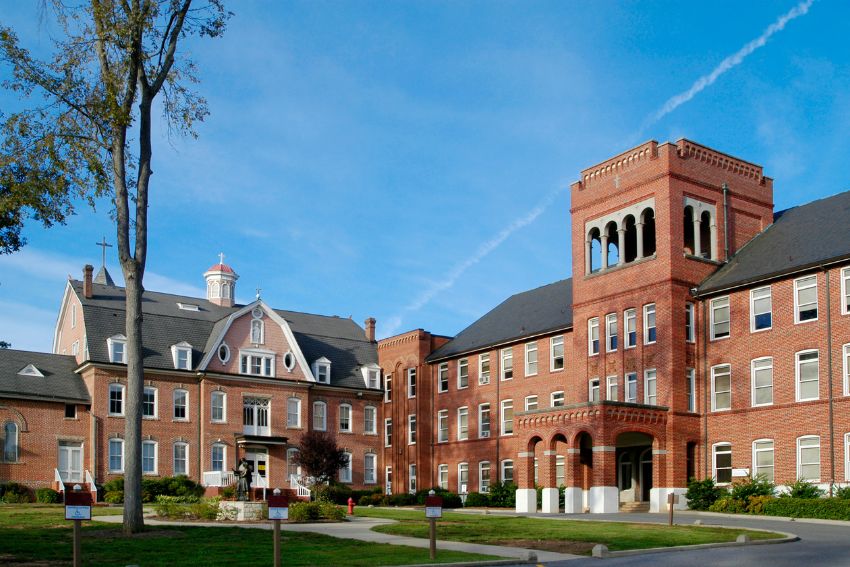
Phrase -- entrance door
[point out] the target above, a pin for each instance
(259, 459)
(645, 474)
(71, 461)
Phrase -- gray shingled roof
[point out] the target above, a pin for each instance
(59, 384)
(802, 237)
(525, 314)
(340, 340)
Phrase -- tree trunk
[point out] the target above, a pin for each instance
(133, 519)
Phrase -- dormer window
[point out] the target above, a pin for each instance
(372, 376)
(188, 307)
(181, 353)
(30, 370)
(322, 370)
(117, 349)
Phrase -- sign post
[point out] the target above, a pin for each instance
(78, 508)
(433, 510)
(278, 510)
(671, 500)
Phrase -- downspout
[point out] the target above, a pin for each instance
(705, 386)
(200, 425)
(498, 434)
(829, 375)
(725, 222)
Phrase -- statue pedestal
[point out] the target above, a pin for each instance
(240, 511)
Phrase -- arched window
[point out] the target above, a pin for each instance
(612, 239)
(10, 442)
(225, 290)
(593, 249)
(648, 220)
(688, 225)
(257, 331)
(629, 245)
(705, 235)
(215, 291)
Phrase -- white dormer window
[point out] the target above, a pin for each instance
(257, 331)
(372, 376)
(188, 306)
(117, 349)
(181, 353)
(30, 370)
(322, 370)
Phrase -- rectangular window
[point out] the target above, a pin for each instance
(761, 309)
(762, 371)
(148, 457)
(116, 399)
(530, 403)
(116, 455)
(560, 470)
(411, 429)
(183, 356)
(370, 421)
(723, 463)
(846, 359)
(388, 432)
(556, 350)
(631, 387)
(690, 328)
(443, 377)
(443, 476)
(531, 359)
(119, 351)
(462, 478)
(217, 457)
(507, 363)
(721, 387)
(388, 480)
(484, 368)
(806, 299)
(462, 424)
(845, 291)
(650, 396)
(593, 390)
(323, 373)
(442, 426)
(149, 402)
(763, 458)
(611, 388)
(808, 382)
(217, 403)
(630, 327)
(847, 457)
(345, 418)
(374, 378)
(649, 324)
(484, 476)
(411, 382)
(345, 472)
(462, 373)
(808, 458)
(70, 411)
(320, 416)
(483, 421)
(556, 399)
(255, 416)
(369, 465)
(181, 405)
(411, 478)
(507, 417)
(593, 336)
(507, 470)
(691, 389)
(257, 364)
(720, 318)
(293, 412)
(388, 388)
(181, 459)
(611, 332)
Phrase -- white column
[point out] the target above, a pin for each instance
(604, 240)
(588, 250)
(713, 228)
(639, 229)
(573, 500)
(526, 501)
(551, 501)
(697, 243)
(621, 246)
(604, 500)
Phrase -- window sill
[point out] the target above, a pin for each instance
(118, 415)
(346, 432)
(527, 375)
(222, 422)
(72, 419)
(446, 391)
(150, 418)
(372, 433)
(181, 420)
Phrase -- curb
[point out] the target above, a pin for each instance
(477, 563)
(789, 537)
(844, 523)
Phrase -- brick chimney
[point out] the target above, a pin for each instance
(87, 271)
(370, 329)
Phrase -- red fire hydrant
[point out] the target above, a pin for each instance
(350, 506)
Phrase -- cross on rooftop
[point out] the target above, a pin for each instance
(221, 258)
(259, 289)
(104, 246)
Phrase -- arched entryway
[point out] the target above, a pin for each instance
(634, 466)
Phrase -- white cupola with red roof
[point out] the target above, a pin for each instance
(221, 283)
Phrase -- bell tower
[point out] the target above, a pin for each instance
(221, 283)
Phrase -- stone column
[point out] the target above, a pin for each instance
(604, 240)
(713, 228)
(588, 251)
(604, 496)
(573, 493)
(526, 495)
(548, 478)
(697, 243)
(639, 230)
(621, 246)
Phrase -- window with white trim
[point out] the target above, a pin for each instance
(556, 399)
(293, 412)
(761, 309)
(443, 377)
(462, 373)
(845, 291)
(218, 405)
(149, 457)
(650, 395)
(443, 476)
(763, 458)
(507, 415)
(630, 327)
(507, 470)
(370, 463)
(322, 371)
(762, 372)
(611, 332)
(593, 390)
(442, 426)
(255, 416)
(808, 458)
(690, 323)
(370, 420)
(373, 378)
(218, 456)
(116, 399)
(631, 387)
(649, 331)
(181, 405)
(560, 470)
(722, 462)
(483, 421)
(388, 480)
(345, 472)
(530, 403)
(846, 359)
(507, 370)
(462, 478)
(255, 363)
(806, 299)
(484, 477)
(411, 429)
(181, 355)
(808, 380)
(484, 368)
(292, 466)
(462, 424)
(116, 455)
(388, 388)
(531, 359)
(411, 478)
(388, 432)
(411, 382)
(320, 416)
(593, 336)
(345, 425)
(691, 389)
(149, 402)
(117, 349)
(611, 388)
(721, 387)
(847, 457)
(556, 353)
(720, 318)
(11, 442)
(180, 458)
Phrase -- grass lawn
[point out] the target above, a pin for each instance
(568, 536)
(32, 532)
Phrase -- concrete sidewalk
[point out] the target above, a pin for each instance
(361, 529)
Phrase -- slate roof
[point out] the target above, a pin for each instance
(803, 237)
(533, 312)
(59, 384)
(340, 340)
(103, 277)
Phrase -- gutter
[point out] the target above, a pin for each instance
(829, 375)
(489, 346)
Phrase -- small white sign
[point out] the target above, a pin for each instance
(278, 513)
(78, 512)
(737, 473)
(433, 512)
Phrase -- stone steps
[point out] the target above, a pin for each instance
(633, 507)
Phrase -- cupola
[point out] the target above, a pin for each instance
(221, 283)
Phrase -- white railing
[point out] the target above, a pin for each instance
(219, 478)
(300, 490)
(260, 481)
(92, 487)
(57, 478)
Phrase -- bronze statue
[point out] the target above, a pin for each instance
(244, 474)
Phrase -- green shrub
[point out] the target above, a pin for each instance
(803, 489)
(450, 499)
(753, 486)
(702, 494)
(335, 493)
(728, 505)
(46, 496)
(842, 492)
(114, 497)
(823, 508)
(205, 508)
(373, 500)
(300, 512)
(180, 485)
(477, 499)
(228, 493)
(329, 511)
(15, 493)
(186, 507)
(114, 485)
(503, 495)
(401, 500)
(756, 504)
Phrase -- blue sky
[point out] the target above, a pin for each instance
(411, 160)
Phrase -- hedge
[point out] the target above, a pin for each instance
(822, 508)
(46, 496)
(15, 493)
(152, 487)
(301, 512)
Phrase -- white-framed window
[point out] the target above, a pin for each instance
(762, 373)
(11, 442)
(411, 382)
(181, 355)
(763, 458)
(411, 429)
(388, 388)
(462, 373)
(75, 348)
(462, 424)
(690, 323)
(507, 470)
(149, 457)
(507, 415)
(611, 332)
(720, 318)
(593, 390)
(806, 299)
(722, 462)
(223, 353)
(293, 412)
(255, 416)
(845, 291)
(611, 388)
(320, 416)
(388, 432)
(442, 426)
(180, 458)
(691, 389)
(531, 358)
(117, 349)
(258, 331)
(560, 470)
(846, 365)
(721, 387)
(462, 478)
(116, 455)
(808, 379)
(292, 466)
(322, 370)
(218, 456)
(556, 353)
(593, 336)
(847, 457)
(556, 399)
(411, 478)
(373, 378)
(808, 458)
(631, 387)
(484, 368)
(483, 421)
(650, 395)
(388, 480)
(507, 369)
(443, 476)
(256, 363)
(630, 327)
(649, 332)
(345, 472)
(761, 309)
(149, 405)
(116, 399)
(218, 405)
(443, 377)
(370, 420)
(530, 403)
(181, 405)
(370, 464)
(345, 424)
(484, 476)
